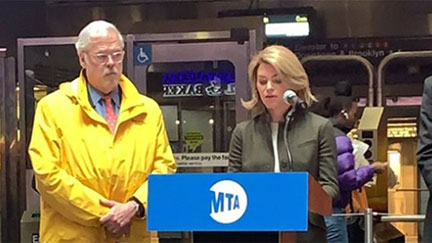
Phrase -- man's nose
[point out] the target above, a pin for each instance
(110, 61)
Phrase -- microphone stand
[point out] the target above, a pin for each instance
(288, 118)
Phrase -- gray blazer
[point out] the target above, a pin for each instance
(312, 144)
(424, 151)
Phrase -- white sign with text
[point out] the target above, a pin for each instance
(201, 159)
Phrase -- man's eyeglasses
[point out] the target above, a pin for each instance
(103, 58)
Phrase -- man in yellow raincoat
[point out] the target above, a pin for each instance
(94, 143)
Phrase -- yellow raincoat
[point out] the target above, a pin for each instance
(78, 161)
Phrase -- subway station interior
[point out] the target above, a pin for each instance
(192, 56)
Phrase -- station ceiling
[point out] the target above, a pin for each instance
(120, 2)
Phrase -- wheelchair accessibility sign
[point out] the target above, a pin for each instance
(142, 54)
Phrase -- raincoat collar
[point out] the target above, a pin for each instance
(132, 102)
(95, 96)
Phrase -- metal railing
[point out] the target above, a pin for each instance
(384, 63)
(360, 60)
(369, 216)
(12, 196)
(3, 203)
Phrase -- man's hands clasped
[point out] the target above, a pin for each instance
(118, 219)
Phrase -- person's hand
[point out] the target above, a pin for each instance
(117, 220)
(124, 231)
(379, 167)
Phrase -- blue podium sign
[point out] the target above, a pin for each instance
(228, 202)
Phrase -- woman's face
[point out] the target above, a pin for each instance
(271, 88)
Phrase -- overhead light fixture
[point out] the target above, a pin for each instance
(282, 22)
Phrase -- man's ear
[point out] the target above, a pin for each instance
(82, 61)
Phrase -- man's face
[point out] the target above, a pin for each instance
(103, 61)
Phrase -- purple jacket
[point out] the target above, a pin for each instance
(348, 177)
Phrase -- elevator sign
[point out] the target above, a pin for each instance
(142, 54)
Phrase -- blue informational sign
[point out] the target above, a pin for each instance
(198, 83)
(197, 77)
(228, 202)
(142, 54)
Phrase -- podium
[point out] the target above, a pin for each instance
(277, 202)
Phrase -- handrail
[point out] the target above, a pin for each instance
(411, 189)
(403, 218)
(383, 217)
(330, 58)
(385, 61)
(3, 168)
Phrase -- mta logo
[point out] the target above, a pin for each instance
(219, 202)
(228, 201)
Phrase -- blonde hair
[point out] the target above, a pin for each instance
(289, 69)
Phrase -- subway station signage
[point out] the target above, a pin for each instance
(198, 83)
(374, 49)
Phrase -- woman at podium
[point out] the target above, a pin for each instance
(283, 135)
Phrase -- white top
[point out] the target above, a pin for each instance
(275, 128)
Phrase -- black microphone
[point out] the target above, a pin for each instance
(290, 97)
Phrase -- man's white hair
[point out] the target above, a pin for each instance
(94, 29)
